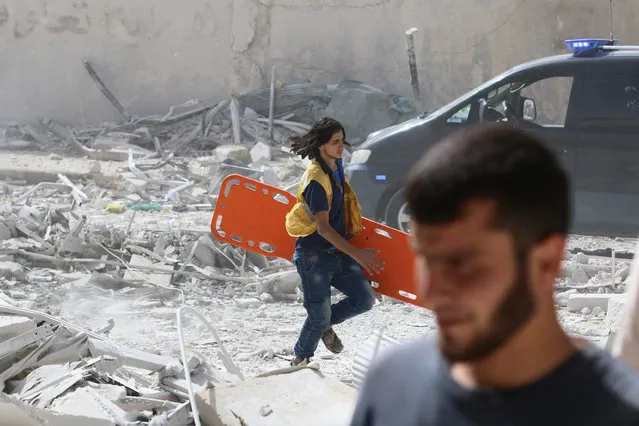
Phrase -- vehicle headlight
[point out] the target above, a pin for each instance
(360, 156)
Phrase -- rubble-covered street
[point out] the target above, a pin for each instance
(105, 235)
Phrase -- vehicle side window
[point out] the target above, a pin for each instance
(460, 116)
(611, 102)
(551, 96)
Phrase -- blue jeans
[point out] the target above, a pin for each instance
(319, 271)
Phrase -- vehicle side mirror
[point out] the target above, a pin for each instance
(529, 110)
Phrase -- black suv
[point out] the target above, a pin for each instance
(584, 104)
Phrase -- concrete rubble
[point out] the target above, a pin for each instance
(260, 120)
(93, 269)
(105, 237)
(107, 242)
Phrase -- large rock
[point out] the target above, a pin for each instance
(232, 152)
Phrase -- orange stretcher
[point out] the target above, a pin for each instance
(251, 214)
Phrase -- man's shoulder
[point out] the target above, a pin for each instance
(405, 357)
(617, 377)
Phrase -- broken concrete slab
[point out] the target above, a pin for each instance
(232, 152)
(41, 168)
(160, 279)
(17, 145)
(280, 399)
(24, 415)
(82, 403)
(578, 301)
(12, 326)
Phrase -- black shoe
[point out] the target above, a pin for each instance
(332, 342)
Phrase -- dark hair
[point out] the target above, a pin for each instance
(515, 169)
(308, 144)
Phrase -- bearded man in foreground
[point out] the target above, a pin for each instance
(491, 211)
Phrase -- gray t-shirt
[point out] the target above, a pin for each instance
(410, 385)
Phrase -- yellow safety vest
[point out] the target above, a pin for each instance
(300, 221)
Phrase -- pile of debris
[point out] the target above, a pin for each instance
(267, 116)
(90, 230)
(58, 373)
(107, 238)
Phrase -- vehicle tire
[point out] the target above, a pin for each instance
(397, 215)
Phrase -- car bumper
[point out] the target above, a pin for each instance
(369, 191)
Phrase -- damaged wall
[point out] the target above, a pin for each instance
(155, 54)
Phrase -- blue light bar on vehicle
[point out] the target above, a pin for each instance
(582, 44)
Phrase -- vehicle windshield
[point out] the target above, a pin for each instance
(466, 96)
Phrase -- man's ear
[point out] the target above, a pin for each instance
(545, 260)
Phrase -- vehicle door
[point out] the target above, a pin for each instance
(544, 105)
(541, 103)
(607, 166)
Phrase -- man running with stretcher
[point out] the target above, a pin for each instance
(324, 217)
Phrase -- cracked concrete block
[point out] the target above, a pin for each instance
(577, 301)
(232, 152)
(260, 153)
(279, 399)
(11, 326)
